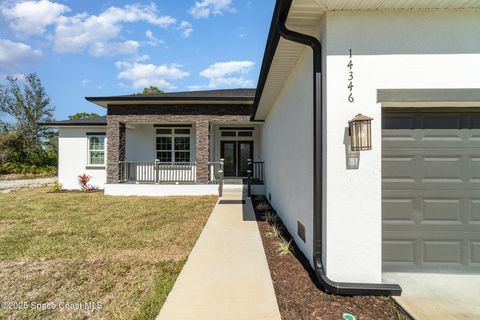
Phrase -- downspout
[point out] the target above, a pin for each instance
(340, 288)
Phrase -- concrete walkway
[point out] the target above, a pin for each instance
(226, 275)
(438, 296)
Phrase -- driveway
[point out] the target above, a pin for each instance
(8, 185)
(438, 296)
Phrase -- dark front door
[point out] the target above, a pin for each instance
(236, 155)
(245, 152)
(229, 154)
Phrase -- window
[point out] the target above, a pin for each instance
(173, 145)
(96, 150)
(245, 133)
(229, 133)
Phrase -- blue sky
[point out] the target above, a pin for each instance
(101, 48)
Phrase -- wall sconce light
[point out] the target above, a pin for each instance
(360, 131)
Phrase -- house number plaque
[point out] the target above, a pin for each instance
(350, 77)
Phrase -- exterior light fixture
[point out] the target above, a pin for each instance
(360, 131)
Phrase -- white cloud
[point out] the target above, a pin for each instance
(205, 8)
(15, 55)
(228, 74)
(32, 17)
(186, 28)
(144, 75)
(195, 87)
(108, 49)
(99, 35)
(84, 82)
(152, 40)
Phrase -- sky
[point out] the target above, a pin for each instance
(102, 48)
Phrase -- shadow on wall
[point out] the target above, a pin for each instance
(352, 158)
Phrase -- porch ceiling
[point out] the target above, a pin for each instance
(304, 17)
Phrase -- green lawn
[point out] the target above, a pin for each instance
(122, 252)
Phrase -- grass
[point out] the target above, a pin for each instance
(123, 252)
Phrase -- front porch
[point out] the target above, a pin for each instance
(182, 157)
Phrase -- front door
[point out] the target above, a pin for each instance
(236, 155)
(229, 154)
(245, 152)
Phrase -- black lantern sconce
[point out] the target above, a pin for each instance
(360, 131)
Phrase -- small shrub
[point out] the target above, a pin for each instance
(275, 231)
(284, 247)
(263, 206)
(57, 186)
(270, 217)
(83, 180)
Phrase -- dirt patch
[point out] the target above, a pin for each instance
(298, 293)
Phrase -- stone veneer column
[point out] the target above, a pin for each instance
(115, 149)
(202, 150)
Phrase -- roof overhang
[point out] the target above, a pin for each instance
(108, 101)
(305, 16)
(72, 125)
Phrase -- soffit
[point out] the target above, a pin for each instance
(304, 17)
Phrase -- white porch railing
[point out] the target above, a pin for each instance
(158, 172)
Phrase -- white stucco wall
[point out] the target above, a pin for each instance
(391, 49)
(73, 156)
(287, 151)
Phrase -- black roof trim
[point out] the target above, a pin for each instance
(207, 95)
(270, 49)
(99, 121)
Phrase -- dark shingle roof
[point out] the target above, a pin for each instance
(224, 94)
(99, 121)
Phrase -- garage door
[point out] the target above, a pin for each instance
(431, 191)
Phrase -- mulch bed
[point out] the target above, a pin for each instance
(297, 290)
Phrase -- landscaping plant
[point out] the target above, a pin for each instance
(284, 247)
(275, 231)
(270, 217)
(57, 186)
(83, 180)
(263, 206)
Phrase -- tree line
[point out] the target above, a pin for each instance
(26, 147)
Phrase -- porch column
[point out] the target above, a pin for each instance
(202, 150)
(115, 149)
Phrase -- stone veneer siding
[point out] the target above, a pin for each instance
(198, 115)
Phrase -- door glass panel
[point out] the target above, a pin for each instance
(229, 158)
(245, 154)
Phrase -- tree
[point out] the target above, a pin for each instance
(28, 106)
(83, 115)
(152, 90)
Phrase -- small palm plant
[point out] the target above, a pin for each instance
(263, 206)
(275, 231)
(284, 247)
(270, 217)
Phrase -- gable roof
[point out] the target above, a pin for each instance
(245, 96)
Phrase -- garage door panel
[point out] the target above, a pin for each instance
(442, 252)
(431, 192)
(399, 210)
(475, 252)
(399, 252)
(429, 138)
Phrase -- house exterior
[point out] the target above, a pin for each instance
(411, 203)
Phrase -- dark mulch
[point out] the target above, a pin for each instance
(298, 293)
